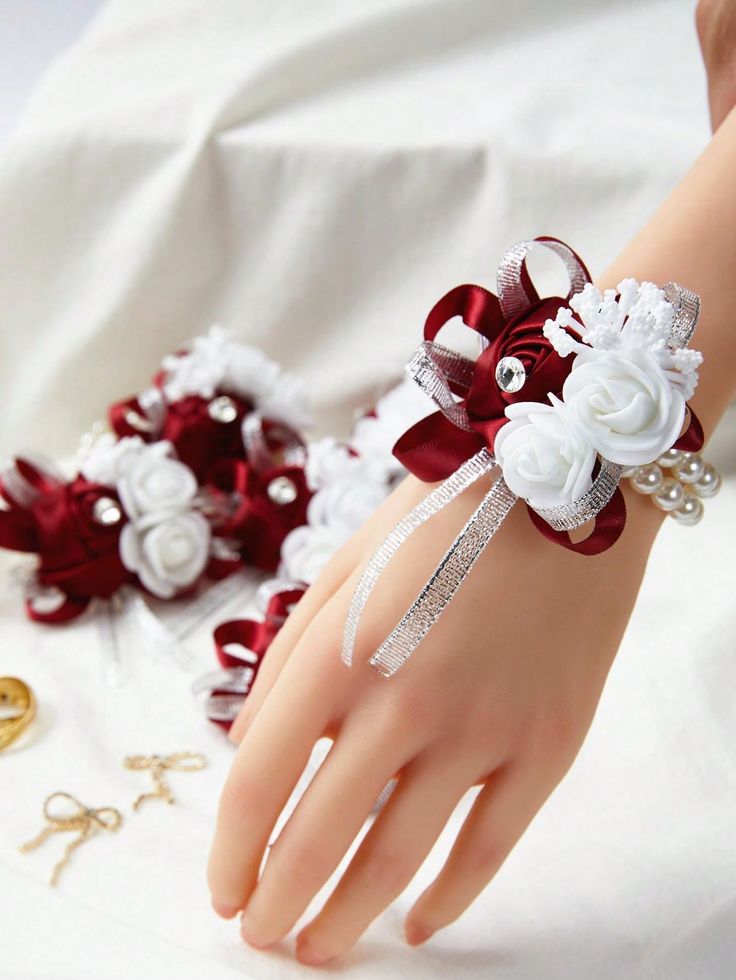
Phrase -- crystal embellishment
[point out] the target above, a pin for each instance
(510, 374)
(282, 491)
(106, 511)
(222, 409)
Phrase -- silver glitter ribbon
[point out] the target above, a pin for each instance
(438, 371)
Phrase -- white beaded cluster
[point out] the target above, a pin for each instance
(677, 482)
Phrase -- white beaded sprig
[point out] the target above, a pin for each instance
(677, 482)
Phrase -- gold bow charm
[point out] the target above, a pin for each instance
(83, 820)
(158, 764)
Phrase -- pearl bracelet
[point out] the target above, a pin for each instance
(677, 482)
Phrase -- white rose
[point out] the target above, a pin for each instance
(329, 460)
(307, 549)
(624, 404)
(168, 552)
(151, 481)
(109, 456)
(346, 504)
(545, 460)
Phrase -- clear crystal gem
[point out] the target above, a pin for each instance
(510, 374)
(282, 490)
(106, 511)
(222, 409)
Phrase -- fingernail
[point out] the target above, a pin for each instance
(224, 911)
(416, 934)
(309, 956)
(249, 933)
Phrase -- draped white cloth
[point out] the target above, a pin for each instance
(315, 176)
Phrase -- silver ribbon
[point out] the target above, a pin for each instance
(258, 451)
(435, 369)
(150, 419)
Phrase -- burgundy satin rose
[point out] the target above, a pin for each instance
(200, 440)
(435, 447)
(255, 520)
(77, 554)
(522, 338)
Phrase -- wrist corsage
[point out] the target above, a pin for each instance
(202, 474)
(565, 394)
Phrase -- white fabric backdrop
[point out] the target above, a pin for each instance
(315, 175)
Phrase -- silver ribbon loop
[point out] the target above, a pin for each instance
(567, 517)
(435, 368)
(258, 451)
(150, 419)
(511, 292)
(686, 304)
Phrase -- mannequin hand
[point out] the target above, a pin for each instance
(499, 695)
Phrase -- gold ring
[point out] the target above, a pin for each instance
(17, 709)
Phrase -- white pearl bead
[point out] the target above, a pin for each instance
(709, 483)
(647, 479)
(689, 469)
(628, 471)
(670, 495)
(670, 458)
(690, 510)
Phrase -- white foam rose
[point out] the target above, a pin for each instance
(151, 481)
(329, 460)
(346, 504)
(545, 459)
(624, 403)
(167, 553)
(307, 549)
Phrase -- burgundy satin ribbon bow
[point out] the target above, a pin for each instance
(227, 689)
(55, 519)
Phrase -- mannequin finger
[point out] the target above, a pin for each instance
(388, 858)
(269, 761)
(499, 816)
(321, 829)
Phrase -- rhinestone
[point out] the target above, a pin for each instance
(106, 511)
(222, 409)
(510, 374)
(647, 479)
(689, 469)
(282, 491)
(709, 483)
(670, 495)
(690, 510)
(671, 458)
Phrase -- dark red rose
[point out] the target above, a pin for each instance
(200, 440)
(254, 519)
(522, 338)
(77, 554)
